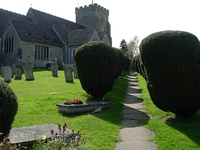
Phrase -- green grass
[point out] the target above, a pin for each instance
(171, 133)
(38, 106)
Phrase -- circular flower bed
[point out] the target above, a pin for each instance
(74, 101)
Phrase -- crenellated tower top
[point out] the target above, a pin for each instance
(93, 16)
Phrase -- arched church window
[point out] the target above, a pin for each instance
(8, 44)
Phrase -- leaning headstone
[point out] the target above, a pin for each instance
(54, 69)
(75, 72)
(7, 74)
(68, 73)
(28, 71)
(2, 71)
(18, 73)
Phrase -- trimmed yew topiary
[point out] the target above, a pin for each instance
(8, 108)
(98, 66)
(123, 62)
(172, 64)
(138, 66)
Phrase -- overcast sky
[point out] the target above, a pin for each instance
(127, 17)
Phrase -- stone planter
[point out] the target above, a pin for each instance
(89, 106)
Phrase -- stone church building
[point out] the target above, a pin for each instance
(40, 37)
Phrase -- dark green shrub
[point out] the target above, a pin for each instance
(126, 63)
(134, 63)
(172, 64)
(138, 66)
(98, 66)
(48, 66)
(123, 62)
(8, 108)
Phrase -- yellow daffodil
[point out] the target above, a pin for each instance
(44, 137)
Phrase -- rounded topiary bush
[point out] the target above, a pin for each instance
(98, 67)
(122, 61)
(8, 108)
(172, 66)
(126, 63)
(138, 66)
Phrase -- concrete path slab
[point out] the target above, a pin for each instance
(134, 135)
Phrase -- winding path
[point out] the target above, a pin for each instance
(133, 134)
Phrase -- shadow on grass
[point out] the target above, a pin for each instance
(190, 126)
(40, 69)
(17, 78)
(125, 107)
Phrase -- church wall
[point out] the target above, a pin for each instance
(28, 54)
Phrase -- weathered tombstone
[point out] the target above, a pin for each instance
(54, 69)
(13, 70)
(68, 73)
(28, 71)
(2, 71)
(18, 73)
(75, 72)
(7, 74)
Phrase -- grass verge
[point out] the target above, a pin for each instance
(38, 106)
(170, 132)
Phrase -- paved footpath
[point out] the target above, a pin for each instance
(133, 134)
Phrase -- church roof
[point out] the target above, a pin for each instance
(81, 36)
(46, 19)
(44, 28)
(62, 34)
(102, 34)
(28, 31)
(5, 15)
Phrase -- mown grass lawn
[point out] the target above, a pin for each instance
(38, 106)
(171, 133)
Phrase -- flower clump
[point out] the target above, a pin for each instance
(64, 139)
(74, 101)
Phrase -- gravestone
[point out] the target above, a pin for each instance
(2, 71)
(54, 69)
(7, 74)
(18, 73)
(27, 136)
(68, 73)
(13, 70)
(75, 72)
(28, 71)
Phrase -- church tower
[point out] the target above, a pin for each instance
(94, 16)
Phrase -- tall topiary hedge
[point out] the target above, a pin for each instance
(8, 108)
(98, 66)
(172, 64)
(138, 66)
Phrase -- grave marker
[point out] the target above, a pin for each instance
(68, 73)
(28, 71)
(7, 74)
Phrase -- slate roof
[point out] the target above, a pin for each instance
(101, 35)
(79, 37)
(46, 19)
(5, 15)
(36, 33)
(63, 35)
(41, 27)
